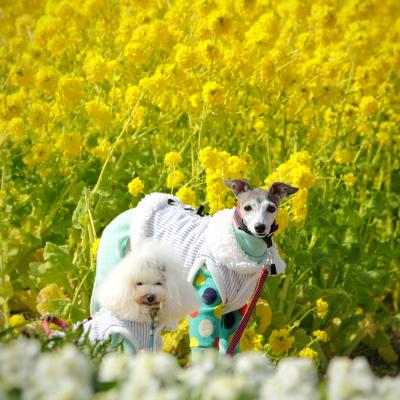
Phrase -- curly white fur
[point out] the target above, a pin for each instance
(159, 273)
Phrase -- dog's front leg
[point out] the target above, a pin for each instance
(205, 322)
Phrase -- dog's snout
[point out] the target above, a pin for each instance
(260, 228)
(150, 298)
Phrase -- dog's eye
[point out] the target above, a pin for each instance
(271, 208)
(139, 283)
(247, 208)
(159, 283)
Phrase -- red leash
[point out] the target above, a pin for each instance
(264, 273)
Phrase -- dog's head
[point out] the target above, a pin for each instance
(259, 207)
(148, 278)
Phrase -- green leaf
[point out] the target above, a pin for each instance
(78, 313)
(6, 288)
(58, 256)
(388, 354)
(301, 338)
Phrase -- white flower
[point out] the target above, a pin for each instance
(351, 380)
(149, 374)
(64, 374)
(389, 388)
(296, 379)
(255, 367)
(112, 367)
(225, 388)
(208, 365)
(17, 361)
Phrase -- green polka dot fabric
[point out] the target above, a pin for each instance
(208, 327)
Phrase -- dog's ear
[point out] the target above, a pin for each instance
(238, 186)
(279, 191)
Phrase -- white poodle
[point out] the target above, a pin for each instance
(145, 292)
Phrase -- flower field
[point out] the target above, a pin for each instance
(104, 101)
(68, 374)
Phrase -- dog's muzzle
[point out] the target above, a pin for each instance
(260, 228)
(150, 300)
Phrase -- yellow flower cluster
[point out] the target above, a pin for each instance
(296, 172)
(175, 179)
(321, 336)
(220, 165)
(187, 195)
(307, 352)
(280, 341)
(321, 308)
(172, 160)
(135, 186)
(263, 315)
(251, 341)
(16, 321)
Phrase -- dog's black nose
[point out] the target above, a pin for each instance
(260, 228)
(150, 298)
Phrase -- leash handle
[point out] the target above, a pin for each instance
(264, 273)
(47, 319)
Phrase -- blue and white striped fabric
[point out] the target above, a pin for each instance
(104, 324)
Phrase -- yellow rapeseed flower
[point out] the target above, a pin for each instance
(251, 341)
(99, 112)
(175, 179)
(368, 105)
(39, 114)
(321, 336)
(16, 129)
(47, 79)
(185, 56)
(69, 144)
(322, 308)
(234, 167)
(172, 159)
(209, 157)
(97, 69)
(70, 90)
(342, 156)
(213, 93)
(280, 341)
(135, 186)
(263, 315)
(307, 352)
(349, 179)
(282, 220)
(95, 247)
(220, 21)
(22, 74)
(16, 320)
(209, 50)
(187, 195)
(15, 104)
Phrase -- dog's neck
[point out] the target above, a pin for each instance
(254, 247)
